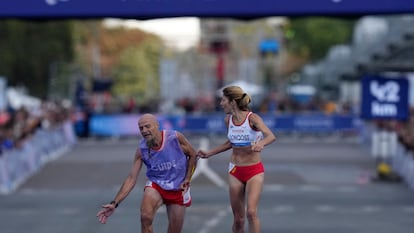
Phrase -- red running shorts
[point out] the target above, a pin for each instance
(244, 173)
(171, 196)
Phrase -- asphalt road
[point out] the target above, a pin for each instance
(311, 186)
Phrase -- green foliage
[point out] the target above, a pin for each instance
(28, 48)
(313, 37)
(136, 73)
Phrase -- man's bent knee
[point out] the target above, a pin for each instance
(146, 218)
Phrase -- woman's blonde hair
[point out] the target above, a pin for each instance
(237, 94)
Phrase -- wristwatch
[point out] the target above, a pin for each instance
(114, 203)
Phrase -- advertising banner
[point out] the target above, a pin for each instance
(146, 9)
(126, 124)
(384, 98)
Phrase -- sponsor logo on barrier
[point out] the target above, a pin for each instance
(215, 124)
(313, 122)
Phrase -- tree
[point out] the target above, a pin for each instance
(129, 57)
(29, 48)
(136, 73)
(312, 37)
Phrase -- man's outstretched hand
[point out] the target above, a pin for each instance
(107, 210)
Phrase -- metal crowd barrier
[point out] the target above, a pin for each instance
(18, 164)
(403, 164)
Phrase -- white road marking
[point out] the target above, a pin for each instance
(325, 208)
(203, 168)
(69, 211)
(213, 222)
(274, 188)
(371, 209)
(283, 209)
(310, 188)
(347, 189)
(408, 209)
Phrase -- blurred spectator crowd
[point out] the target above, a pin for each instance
(18, 125)
(272, 103)
(404, 130)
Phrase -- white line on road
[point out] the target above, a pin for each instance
(213, 222)
(408, 209)
(311, 188)
(325, 208)
(274, 187)
(69, 211)
(371, 209)
(284, 209)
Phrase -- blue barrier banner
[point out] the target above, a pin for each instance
(126, 125)
(146, 9)
(384, 98)
(114, 125)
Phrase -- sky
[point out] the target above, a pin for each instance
(179, 33)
